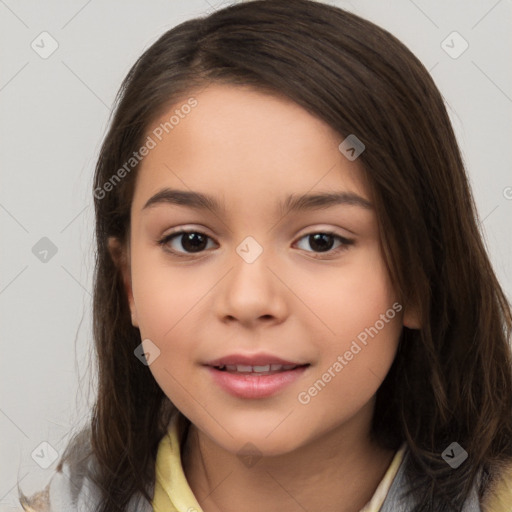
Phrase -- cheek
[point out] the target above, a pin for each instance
(346, 300)
(355, 361)
(163, 296)
(166, 317)
(361, 322)
(167, 302)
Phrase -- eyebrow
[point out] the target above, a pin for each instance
(294, 202)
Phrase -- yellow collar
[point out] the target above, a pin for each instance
(172, 492)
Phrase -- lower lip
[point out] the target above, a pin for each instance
(255, 386)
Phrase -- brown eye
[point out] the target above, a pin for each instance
(190, 241)
(323, 242)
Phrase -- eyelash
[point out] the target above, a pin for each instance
(345, 242)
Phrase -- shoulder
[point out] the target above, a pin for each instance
(71, 486)
(70, 481)
(498, 497)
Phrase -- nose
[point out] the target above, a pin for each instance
(252, 293)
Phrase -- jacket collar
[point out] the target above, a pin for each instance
(396, 501)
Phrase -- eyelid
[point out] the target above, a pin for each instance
(330, 230)
(196, 228)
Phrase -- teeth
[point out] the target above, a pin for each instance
(241, 368)
(260, 368)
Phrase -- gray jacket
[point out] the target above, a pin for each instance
(71, 489)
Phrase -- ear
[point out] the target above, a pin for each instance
(411, 318)
(121, 258)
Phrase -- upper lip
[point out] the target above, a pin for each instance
(251, 360)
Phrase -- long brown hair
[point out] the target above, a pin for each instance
(452, 379)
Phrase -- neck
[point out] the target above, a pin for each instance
(308, 478)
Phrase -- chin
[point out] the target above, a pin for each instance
(258, 444)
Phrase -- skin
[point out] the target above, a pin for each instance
(250, 149)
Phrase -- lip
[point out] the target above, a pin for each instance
(260, 359)
(249, 385)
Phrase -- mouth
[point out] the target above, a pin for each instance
(255, 381)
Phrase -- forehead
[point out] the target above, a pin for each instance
(243, 145)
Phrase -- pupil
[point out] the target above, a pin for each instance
(319, 239)
(193, 241)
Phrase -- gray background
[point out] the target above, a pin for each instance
(53, 116)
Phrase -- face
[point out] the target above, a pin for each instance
(254, 276)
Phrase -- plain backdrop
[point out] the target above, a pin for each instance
(53, 116)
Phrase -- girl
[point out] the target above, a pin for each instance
(293, 307)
